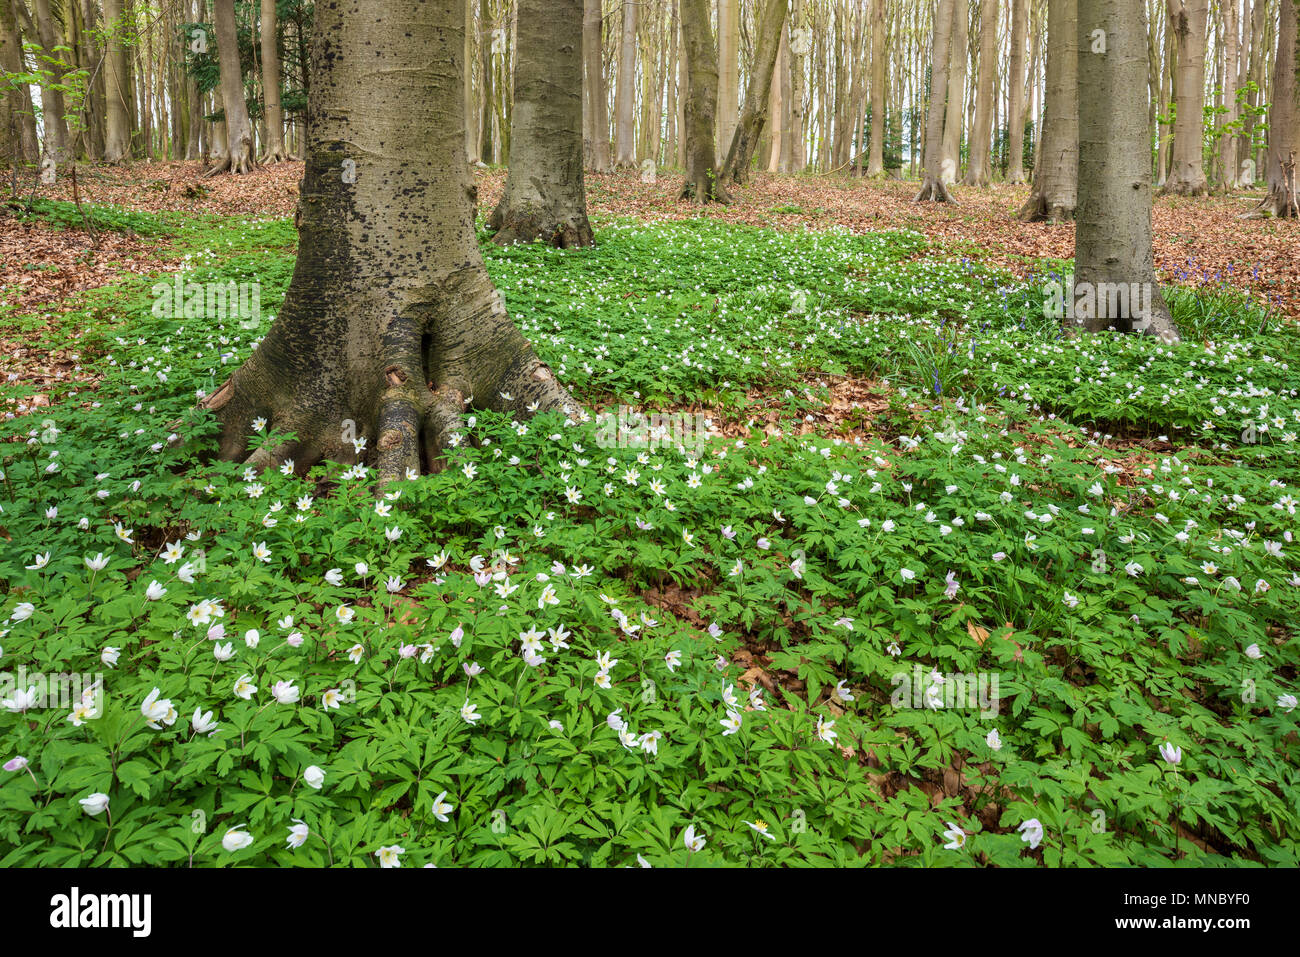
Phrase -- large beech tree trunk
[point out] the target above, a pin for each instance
(544, 197)
(728, 73)
(18, 140)
(979, 168)
(1056, 167)
(237, 157)
(275, 151)
(1284, 120)
(1113, 258)
(702, 182)
(959, 55)
(1187, 175)
(753, 117)
(391, 326)
(933, 188)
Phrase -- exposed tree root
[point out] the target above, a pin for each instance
(933, 190)
(530, 224)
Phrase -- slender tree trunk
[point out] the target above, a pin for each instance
(275, 151)
(1227, 141)
(544, 198)
(16, 108)
(237, 157)
(53, 112)
(702, 183)
(194, 146)
(753, 116)
(958, 56)
(593, 52)
(1056, 170)
(390, 326)
(486, 144)
(933, 188)
(117, 87)
(979, 169)
(467, 87)
(876, 157)
(728, 74)
(1114, 279)
(1016, 94)
(625, 95)
(1282, 199)
(1187, 177)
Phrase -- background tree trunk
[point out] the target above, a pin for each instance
(702, 183)
(117, 87)
(959, 54)
(597, 107)
(1284, 119)
(1016, 95)
(625, 95)
(933, 188)
(754, 115)
(728, 74)
(275, 151)
(1056, 170)
(237, 156)
(979, 168)
(53, 113)
(390, 326)
(1228, 166)
(544, 197)
(876, 157)
(1113, 231)
(16, 109)
(1187, 176)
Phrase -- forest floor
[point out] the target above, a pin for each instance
(915, 580)
(1196, 241)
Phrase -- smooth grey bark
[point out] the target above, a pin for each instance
(18, 138)
(1187, 173)
(702, 183)
(876, 149)
(597, 109)
(979, 167)
(624, 121)
(753, 117)
(933, 188)
(237, 157)
(54, 111)
(544, 198)
(728, 74)
(1056, 167)
(1113, 256)
(1016, 101)
(391, 327)
(958, 56)
(275, 151)
(1282, 199)
(118, 95)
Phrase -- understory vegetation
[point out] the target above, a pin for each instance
(576, 645)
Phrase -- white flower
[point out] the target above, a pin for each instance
(389, 856)
(252, 637)
(760, 827)
(824, 729)
(96, 564)
(1286, 702)
(1252, 651)
(95, 805)
(334, 576)
(993, 740)
(344, 614)
(202, 722)
(285, 692)
(1173, 755)
(469, 713)
(154, 592)
(298, 835)
(110, 655)
(22, 611)
(236, 839)
(314, 777)
(441, 808)
(155, 710)
(261, 552)
(693, 841)
(244, 687)
(956, 837)
(39, 562)
(731, 723)
(1031, 831)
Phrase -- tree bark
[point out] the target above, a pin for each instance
(625, 95)
(728, 74)
(117, 87)
(1187, 177)
(959, 54)
(933, 188)
(53, 110)
(391, 326)
(702, 183)
(1284, 120)
(876, 150)
(275, 151)
(597, 108)
(544, 197)
(979, 168)
(237, 157)
(16, 111)
(1016, 95)
(1056, 168)
(753, 116)
(1113, 257)
(1227, 141)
